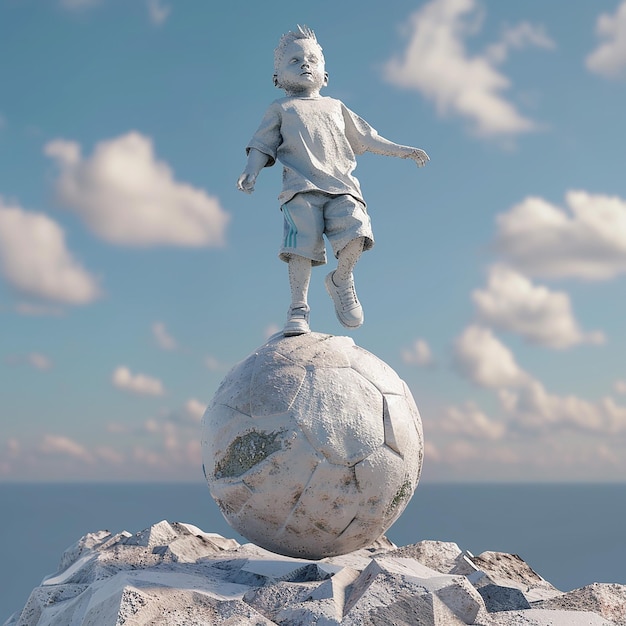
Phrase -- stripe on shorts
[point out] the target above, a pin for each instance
(291, 237)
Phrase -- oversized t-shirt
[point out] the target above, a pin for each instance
(316, 139)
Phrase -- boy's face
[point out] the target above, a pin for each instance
(301, 69)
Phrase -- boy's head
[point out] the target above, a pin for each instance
(299, 63)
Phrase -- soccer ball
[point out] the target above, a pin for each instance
(312, 446)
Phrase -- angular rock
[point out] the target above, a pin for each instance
(509, 570)
(174, 574)
(606, 599)
(441, 556)
(497, 598)
(544, 617)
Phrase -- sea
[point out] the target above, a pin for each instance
(570, 534)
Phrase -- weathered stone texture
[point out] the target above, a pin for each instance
(174, 574)
(312, 446)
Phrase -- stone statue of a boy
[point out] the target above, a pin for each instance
(316, 139)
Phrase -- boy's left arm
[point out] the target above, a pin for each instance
(373, 142)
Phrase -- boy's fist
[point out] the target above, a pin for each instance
(420, 157)
(246, 182)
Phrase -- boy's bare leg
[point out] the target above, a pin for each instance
(299, 279)
(348, 258)
(340, 285)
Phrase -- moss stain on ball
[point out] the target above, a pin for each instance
(402, 496)
(246, 451)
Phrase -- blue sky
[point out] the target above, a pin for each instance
(133, 274)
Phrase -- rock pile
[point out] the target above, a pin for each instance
(175, 574)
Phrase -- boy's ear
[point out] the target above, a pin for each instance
(325, 79)
(275, 80)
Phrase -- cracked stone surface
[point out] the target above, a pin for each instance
(174, 574)
(312, 446)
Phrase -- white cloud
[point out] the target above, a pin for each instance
(123, 378)
(533, 407)
(56, 444)
(468, 421)
(482, 358)
(431, 452)
(189, 414)
(437, 64)
(158, 11)
(34, 359)
(620, 386)
(418, 354)
(512, 303)
(517, 38)
(588, 241)
(195, 409)
(164, 340)
(609, 58)
(39, 361)
(126, 196)
(271, 330)
(35, 260)
(212, 363)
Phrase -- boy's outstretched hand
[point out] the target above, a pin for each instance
(419, 156)
(246, 182)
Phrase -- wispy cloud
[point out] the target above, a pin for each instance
(39, 361)
(511, 302)
(158, 11)
(533, 407)
(587, 240)
(164, 340)
(165, 452)
(437, 64)
(620, 386)
(140, 384)
(35, 260)
(56, 444)
(270, 330)
(609, 58)
(467, 420)
(35, 360)
(518, 37)
(126, 196)
(419, 354)
(195, 409)
(482, 358)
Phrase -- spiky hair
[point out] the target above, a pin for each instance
(303, 32)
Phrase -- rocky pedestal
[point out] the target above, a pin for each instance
(174, 574)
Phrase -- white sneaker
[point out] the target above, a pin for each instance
(347, 306)
(297, 321)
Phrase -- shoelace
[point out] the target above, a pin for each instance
(347, 297)
(299, 312)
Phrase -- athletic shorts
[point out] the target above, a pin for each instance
(311, 214)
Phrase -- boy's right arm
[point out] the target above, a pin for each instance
(257, 160)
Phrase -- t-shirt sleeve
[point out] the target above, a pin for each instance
(267, 138)
(357, 130)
